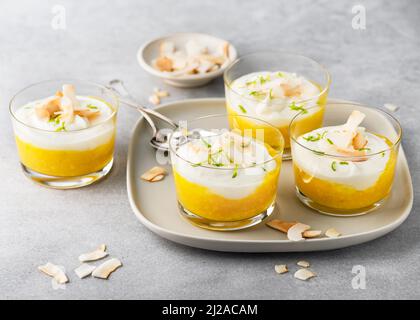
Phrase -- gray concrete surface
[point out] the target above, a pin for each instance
(377, 65)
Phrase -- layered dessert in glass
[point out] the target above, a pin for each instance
(275, 87)
(65, 133)
(346, 167)
(224, 179)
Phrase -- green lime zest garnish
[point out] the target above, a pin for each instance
(364, 149)
(61, 128)
(344, 163)
(235, 171)
(91, 106)
(334, 166)
(208, 145)
(313, 138)
(329, 141)
(280, 74)
(242, 108)
(320, 153)
(295, 107)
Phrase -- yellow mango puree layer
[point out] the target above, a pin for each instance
(345, 197)
(305, 125)
(203, 202)
(65, 163)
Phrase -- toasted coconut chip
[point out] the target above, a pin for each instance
(164, 64)
(213, 59)
(303, 263)
(290, 91)
(84, 270)
(205, 66)
(225, 49)
(94, 255)
(67, 111)
(54, 271)
(304, 274)
(359, 141)
(332, 233)
(47, 108)
(154, 99)
(391, 107)
(160, 93)
(87, 113)
(281, 268)
(295, 232)
(194, 48)
(70, 92)
(154, 174)
(166, 47)
(105, 269)
(280, 225)
(354, 120)
(311, 233)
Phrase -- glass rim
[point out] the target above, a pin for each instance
(398, 140)
(114, 110)
(226, 116)
(303, 101)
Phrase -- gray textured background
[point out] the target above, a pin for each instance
(377, 65)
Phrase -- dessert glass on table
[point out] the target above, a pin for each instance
(225, 179)
(274, 87)
(346, 167)
(65, 133)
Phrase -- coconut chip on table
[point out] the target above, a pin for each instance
(304, 274)
(157, 95)
(284, 226)
(195, 58)
(154, 174)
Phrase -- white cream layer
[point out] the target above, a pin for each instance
(359, 175)
(260, 95)
(81, 134)
(219, 174)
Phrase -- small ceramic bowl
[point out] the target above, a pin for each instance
(151, 50)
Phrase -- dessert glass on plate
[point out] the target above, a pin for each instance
(275, 86)
(225, 179)
(65, 133)
(346, 167)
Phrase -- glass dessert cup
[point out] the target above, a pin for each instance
(225, 179)
(61, 158)
(346, 184)
(278, 110)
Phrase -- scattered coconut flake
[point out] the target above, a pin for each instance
(105, 269)
(84, 270)
(281, 268)
(295, 232)
(154, 174)
(312, 233)
(161, 93)
(154, 98)
(332, 233)
(303, 263)
(391, 107)
(94, 255)
(280, 225)
(304, 274)
(54, 271)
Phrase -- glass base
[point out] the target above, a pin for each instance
(334, 211)
(225, 225)
(287, 154)
(67, 182)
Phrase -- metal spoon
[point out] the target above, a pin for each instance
(159, 140)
